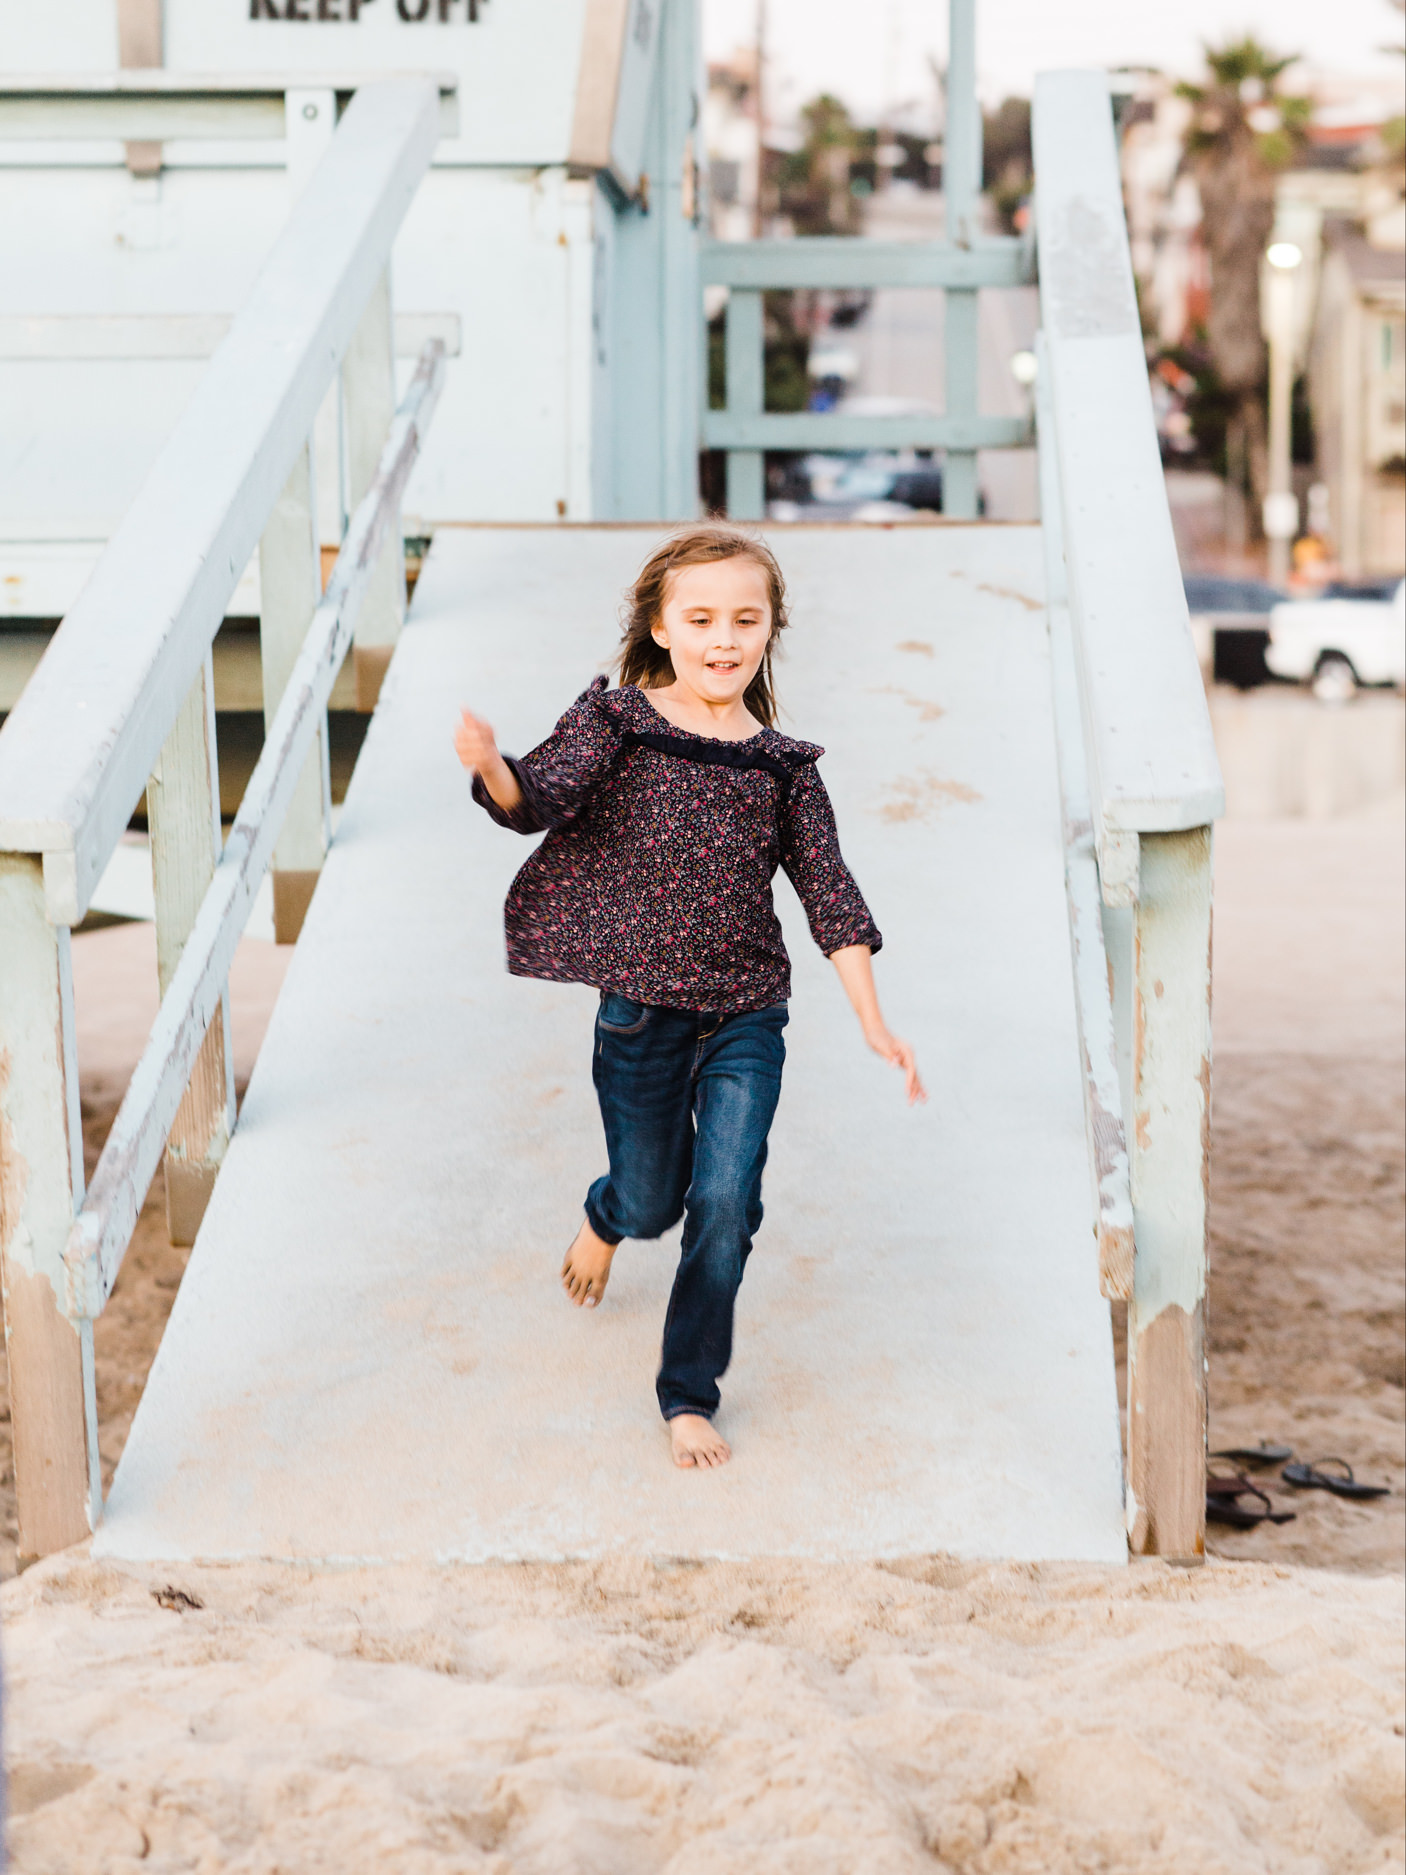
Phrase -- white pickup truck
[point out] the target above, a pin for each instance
(1340, 641)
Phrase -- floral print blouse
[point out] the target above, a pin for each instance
(654, 880)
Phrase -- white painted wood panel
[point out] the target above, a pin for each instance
(516, 65)
(76, 751)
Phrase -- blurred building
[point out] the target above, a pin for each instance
(1164, 210)
(1357, 387)
(730, 139)
(1341, 206)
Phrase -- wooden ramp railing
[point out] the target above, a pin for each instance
(123, 701)
(1141, 788)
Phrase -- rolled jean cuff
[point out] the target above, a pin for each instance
(677, 1412)
(600, 1227)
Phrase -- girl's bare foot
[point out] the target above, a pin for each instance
(695, 1442)
(586, 1270)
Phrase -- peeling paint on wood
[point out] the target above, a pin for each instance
(1103, 1106)
(1131, 712)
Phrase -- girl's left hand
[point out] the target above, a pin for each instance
(900, 1055)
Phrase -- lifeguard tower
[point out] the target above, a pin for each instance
(304, 277)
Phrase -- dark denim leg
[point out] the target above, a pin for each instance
(643, 1070)
(736, 1087)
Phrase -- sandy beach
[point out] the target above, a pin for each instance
(644, 1715)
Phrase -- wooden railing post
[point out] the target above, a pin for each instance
(291, 581)
(1169, 1143)
(960, 501)
(745, 356)
(53, 1404)
(368, 399)
(183, 811)
(961, 189)
(193, 1001)
(1155, 783)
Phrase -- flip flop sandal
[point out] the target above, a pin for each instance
(1223, 1505)
(1257, 1454)
(1313, 1478)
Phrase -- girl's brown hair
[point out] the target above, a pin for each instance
(648, 664)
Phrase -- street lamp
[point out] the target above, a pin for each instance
(1281, 508)
(1025, 368)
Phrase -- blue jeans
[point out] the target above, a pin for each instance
(687, 1099)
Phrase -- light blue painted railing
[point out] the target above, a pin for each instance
(960, 265)
(1141, 787)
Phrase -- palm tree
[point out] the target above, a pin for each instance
(1244, 130)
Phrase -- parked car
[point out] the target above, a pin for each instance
(1338, 642)
(1230, 624)
(876, 485)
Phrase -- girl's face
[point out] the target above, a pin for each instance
(715, 625)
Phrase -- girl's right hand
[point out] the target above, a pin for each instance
(475, 744)
(477, 748)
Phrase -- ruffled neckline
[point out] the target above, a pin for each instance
(629, 704)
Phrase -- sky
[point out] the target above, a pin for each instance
(874, 53)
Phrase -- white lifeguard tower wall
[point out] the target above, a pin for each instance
(553, 245)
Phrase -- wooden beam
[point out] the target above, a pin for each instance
(1170, 1151)
(960, 496)
(814, 429)
(744, 343)
(842, 264)
(961, 149)
(103, 1228)
(183, 813)
(368, 394)
(290, 577)
(177, 335)
(239, 683)
(961, 191)
(139, 45)
(159, 105)
(598, 82)
(139, 34)
(52, 1402)
(76, 751)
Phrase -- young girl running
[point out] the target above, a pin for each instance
(668, 805)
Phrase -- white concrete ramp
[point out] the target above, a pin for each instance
(370, 1357)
